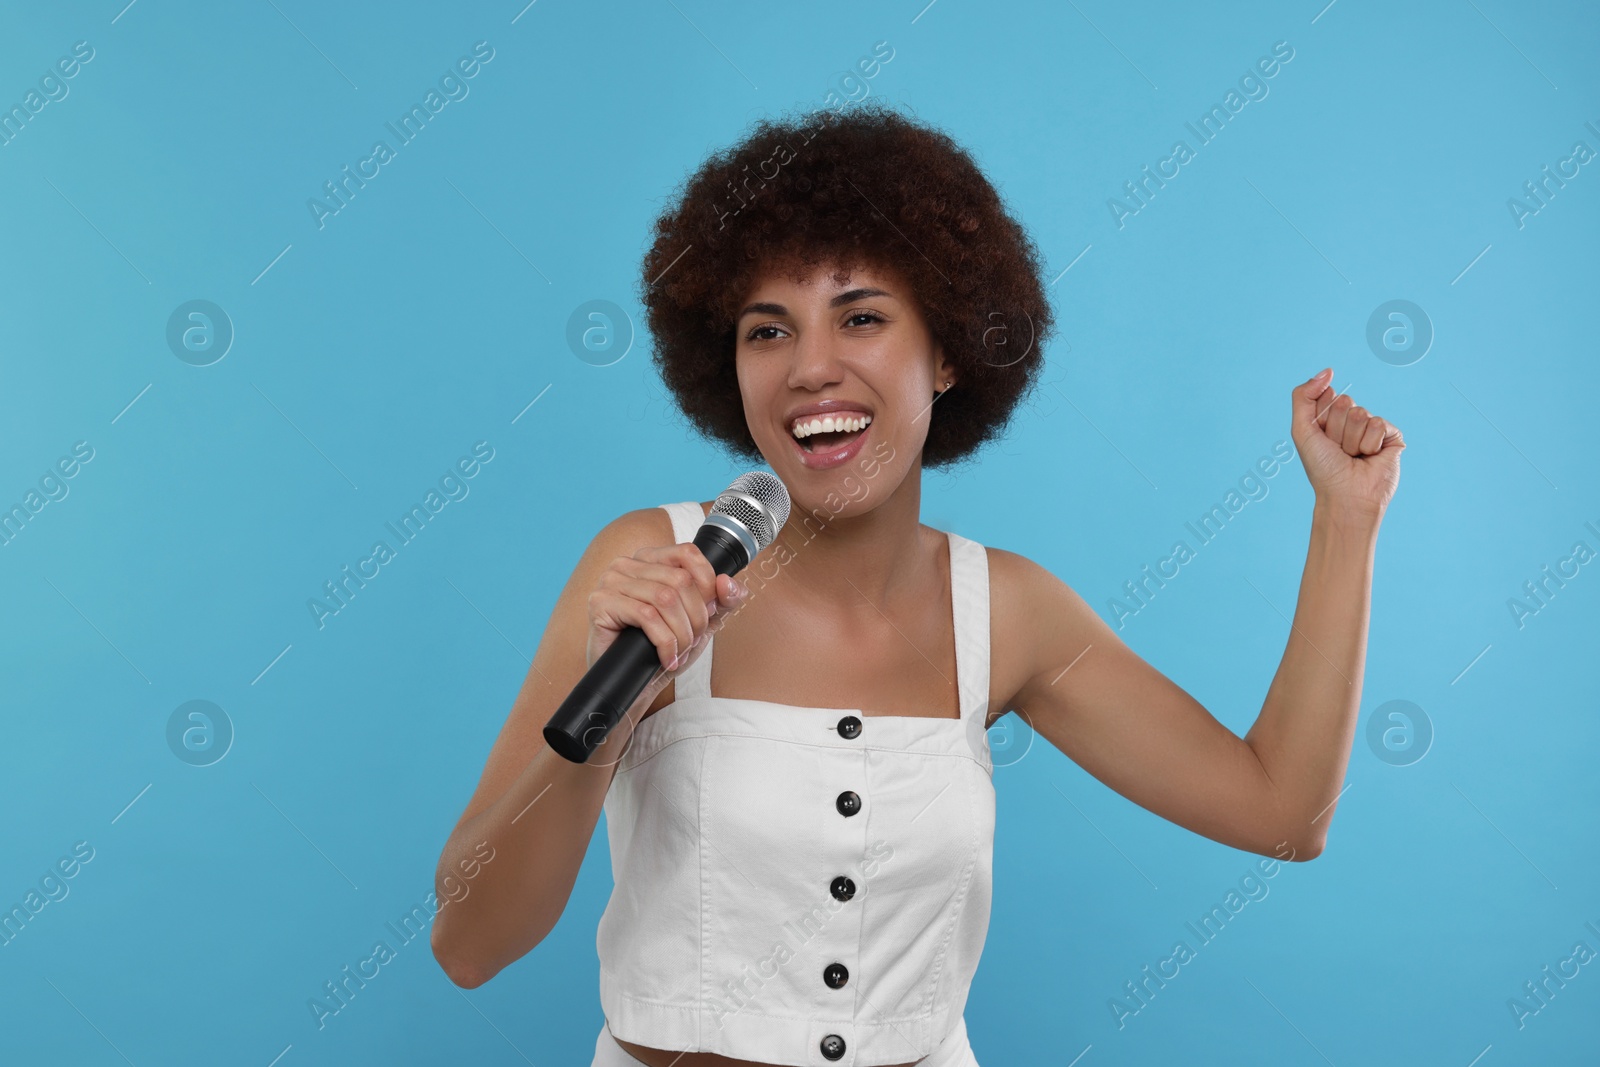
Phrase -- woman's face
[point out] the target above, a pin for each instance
(858, 352)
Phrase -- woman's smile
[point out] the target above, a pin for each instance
(831, 436)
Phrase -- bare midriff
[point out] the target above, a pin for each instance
(660, 1057)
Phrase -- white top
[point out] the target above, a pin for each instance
(793, 881)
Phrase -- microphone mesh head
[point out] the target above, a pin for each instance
(757, 501)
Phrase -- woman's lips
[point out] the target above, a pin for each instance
(818, 461)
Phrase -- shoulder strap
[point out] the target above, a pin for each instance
(969, 596)
(686, 520)
(695, 681)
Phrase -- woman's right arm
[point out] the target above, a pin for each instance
(533, 813)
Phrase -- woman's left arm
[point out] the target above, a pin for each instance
(1141, 734)
(1308, 720)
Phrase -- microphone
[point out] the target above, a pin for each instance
(745, 519)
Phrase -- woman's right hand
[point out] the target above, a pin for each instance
(673, 595)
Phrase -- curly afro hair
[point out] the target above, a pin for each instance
(865, 186)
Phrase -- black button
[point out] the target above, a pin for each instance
(832, 1047)
(848, 803)
(835, 975)
(842, 888)
(849, 727)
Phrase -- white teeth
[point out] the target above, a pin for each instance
(830, 424)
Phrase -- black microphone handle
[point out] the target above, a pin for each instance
(615, 680)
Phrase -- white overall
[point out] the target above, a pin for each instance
(799, 885)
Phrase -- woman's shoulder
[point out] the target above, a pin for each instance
(1033, 616)
(633, 530)
(1006, 568)
(1024, 583)
(1014, 567)
(640, 528)
(1018, 586)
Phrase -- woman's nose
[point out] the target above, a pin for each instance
(814, 362)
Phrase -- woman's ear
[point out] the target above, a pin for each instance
(944, 374)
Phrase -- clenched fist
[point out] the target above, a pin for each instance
(1351, 456)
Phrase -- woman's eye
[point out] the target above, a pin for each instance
(773, 332)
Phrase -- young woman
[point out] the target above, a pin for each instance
(801, 826)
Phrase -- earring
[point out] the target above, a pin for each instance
(940, 392)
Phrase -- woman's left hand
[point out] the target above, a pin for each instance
(1351, 456)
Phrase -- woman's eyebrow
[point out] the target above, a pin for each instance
(856, 294)
(839, 301)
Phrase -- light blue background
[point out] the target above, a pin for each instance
(376, 350)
